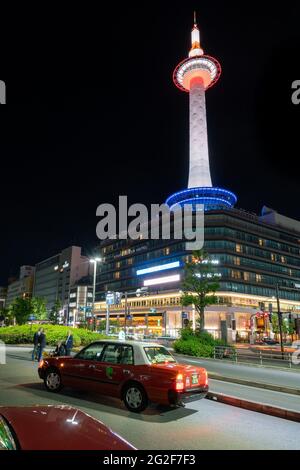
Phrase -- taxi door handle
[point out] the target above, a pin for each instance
(92, 366)
(126, 371)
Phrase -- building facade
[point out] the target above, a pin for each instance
(55, 276)
(3, 295)
(21, 287)
(251, 254)
(81, 301)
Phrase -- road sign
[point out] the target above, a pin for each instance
(110, 298)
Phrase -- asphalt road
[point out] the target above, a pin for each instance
(274, 376)
(200, 425)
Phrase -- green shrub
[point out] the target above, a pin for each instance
(193, 347)
(23, 334)
(196, 343)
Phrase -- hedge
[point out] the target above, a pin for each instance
(199, 344)
(23, 334)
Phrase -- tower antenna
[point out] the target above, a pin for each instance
(195, 18)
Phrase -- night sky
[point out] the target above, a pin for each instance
(92, 113)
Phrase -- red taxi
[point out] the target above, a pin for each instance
(136, 372)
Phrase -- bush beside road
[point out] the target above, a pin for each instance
(199, 344)
(23, 334)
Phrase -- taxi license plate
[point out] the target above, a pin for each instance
(194, 379)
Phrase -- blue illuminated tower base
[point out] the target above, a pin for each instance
(211, 198)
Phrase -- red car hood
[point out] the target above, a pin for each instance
(60, 428)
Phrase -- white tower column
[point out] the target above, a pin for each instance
(199, 172)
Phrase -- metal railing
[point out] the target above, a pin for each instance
(270, 358)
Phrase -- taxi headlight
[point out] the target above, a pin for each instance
(7, 441)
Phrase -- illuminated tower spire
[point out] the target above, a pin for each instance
(195, 75)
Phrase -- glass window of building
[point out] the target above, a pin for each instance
(236, 260)
(246, 276)
(260, 242)
(258, 277)
(283, 259)
(235, 274)
(238, 248)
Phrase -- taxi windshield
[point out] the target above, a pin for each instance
(158, 355)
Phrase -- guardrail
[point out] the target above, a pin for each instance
(269, 358)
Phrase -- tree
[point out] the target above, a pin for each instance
(38, 308)
(20, 309)
(54, 312)
(199, 284)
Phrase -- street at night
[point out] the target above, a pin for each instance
(191, 427)
(150, 234)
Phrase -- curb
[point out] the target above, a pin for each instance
(273, 387)
(264, 408)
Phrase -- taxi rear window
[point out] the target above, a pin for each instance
(158, 354)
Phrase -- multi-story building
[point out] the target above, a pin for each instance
(55, 276)
(21, 287)
(81, 301)
(3, 295)
(251, 255)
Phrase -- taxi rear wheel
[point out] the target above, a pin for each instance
(135, 397)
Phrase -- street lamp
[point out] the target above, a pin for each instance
(94, 261)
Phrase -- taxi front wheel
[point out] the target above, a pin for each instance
(135, 397)
(52, 380)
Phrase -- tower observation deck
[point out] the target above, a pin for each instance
(195, 75)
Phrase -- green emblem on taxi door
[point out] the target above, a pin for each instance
(109, 372)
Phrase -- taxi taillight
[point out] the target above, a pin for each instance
(179, 382)
(206, 377)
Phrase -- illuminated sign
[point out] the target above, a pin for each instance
(161, 280)
(160, 267)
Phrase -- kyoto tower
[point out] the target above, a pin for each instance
(195, 75)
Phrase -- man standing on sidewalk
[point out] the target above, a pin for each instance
(69, 343)
(41, 343)
(35, 344)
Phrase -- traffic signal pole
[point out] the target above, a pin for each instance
(125, 319)
(279, 321)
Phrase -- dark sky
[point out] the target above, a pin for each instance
(92, 113)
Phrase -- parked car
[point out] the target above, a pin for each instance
(267, 340)
(134, 371)
(55, 428)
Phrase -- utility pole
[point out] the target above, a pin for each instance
(94, 261)
(279, 321)
(125, 319)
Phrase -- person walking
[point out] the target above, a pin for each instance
(41, 343)
(69, 343)
(35, 344)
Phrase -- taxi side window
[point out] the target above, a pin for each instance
(118, 354)
(91, 353)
